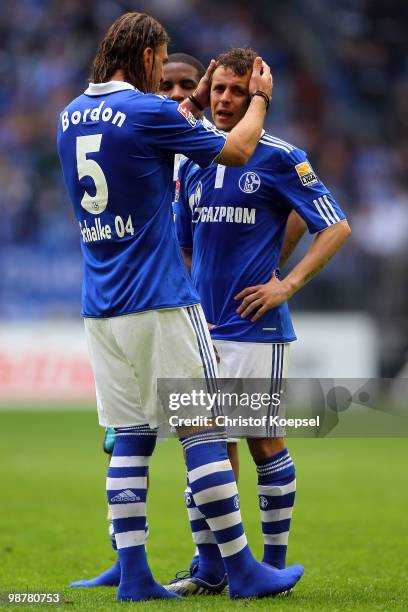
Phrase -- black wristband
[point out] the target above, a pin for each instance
(264, 96)
(196, 103)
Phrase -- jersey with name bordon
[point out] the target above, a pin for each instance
(116, 147)
(234, 219)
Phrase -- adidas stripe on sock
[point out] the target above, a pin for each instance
(276, 489)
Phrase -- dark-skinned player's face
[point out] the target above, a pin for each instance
(179, 82)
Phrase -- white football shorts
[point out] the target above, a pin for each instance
(129, 353)
(267, 362)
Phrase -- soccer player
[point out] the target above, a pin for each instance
(143, 321)
(231, 224)
(181, 76)
(182, 73)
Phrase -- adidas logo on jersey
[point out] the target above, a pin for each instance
(125, 496)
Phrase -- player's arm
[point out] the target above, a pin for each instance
(243, 138)
(275, 292)
(325, 245)
(296, 182)
(183, 215)
(201, 95)
(171, 127)
(187, 258)
(295, 229)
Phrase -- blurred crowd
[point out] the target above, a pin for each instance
(341, 93)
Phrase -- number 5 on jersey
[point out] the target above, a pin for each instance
(97, 203)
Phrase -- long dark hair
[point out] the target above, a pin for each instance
(122, 49)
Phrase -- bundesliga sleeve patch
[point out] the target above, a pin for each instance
(306, 174)
(177, 190)
(187, 115)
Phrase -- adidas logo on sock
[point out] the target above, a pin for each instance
(125, 496)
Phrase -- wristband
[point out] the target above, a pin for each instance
(263, 95)
(196, 103)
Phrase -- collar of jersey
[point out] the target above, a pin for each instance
(208, 123)
(100, 89)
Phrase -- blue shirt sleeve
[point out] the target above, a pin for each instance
(172, 129)
(300, 187)
(182, 209)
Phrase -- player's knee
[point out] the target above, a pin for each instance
(264, 448)
(232, 448)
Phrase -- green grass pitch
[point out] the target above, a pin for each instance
(349, 527)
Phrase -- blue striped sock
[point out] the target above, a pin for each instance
(111, 532)
(126, 487)
(112, 535)
(276, 488)
(215, 494)
(211, 566)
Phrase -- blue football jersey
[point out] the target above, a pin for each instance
(116, 147)
(234, 219)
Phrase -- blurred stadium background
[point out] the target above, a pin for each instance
(341, 92)
(341, 89)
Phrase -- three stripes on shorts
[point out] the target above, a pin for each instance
(206, 351)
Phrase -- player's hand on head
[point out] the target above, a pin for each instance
(202, 93)
(261, 298)
(261, 78)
